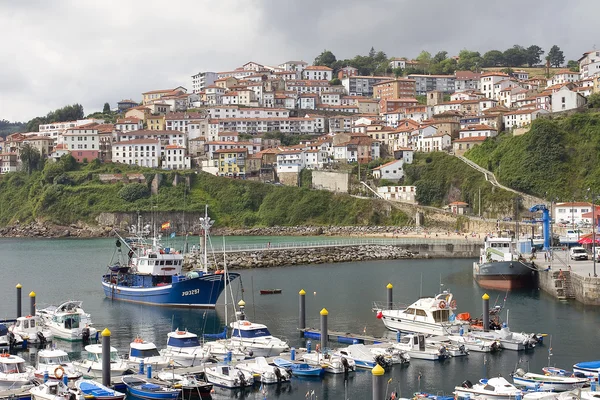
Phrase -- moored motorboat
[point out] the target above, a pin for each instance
(473, 343)
(332, 363)
(31, 328)
(97, 391)
(191, 387)
(68, 321)
(13, 372)
(53, 390)
(146, 352)
(228, 376)
(57, 364)
(257, 339)
(508, 340)
(416, 347)
(224, 349)
(554, 383)
(501, 267)
(391, 354)
(91, 365)
(299, 368)
(140, 388)
(590, 369)
(496, 388)
(362, 356)
(428, 315)
(264, 372)
(184, 349)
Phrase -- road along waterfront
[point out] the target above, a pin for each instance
(60, 269)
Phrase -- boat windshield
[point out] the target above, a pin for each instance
(97, 357)
(13, 368)
(441, 315)
(183, 342)
(56, 360)
(252, 333)
(144, 353)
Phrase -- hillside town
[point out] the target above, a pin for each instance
(227, 123)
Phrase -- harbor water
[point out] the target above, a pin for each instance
(62, 269)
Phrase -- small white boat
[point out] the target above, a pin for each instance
(263, 372)
(590, 369)
(222, 349)
(191, 387)
(428, 315)
(228, 376)
(97, 391)
(391, 354)
(184, 349)
(509, 340)
(57, 364)
(443, 343)
(9, 339)
(488, 389)
(333, 364)
(32, 329)
(257, 339)
(416, 347)
(554, 383)
(473, 343)
(91, 366)
(53, 390)
(68, 321)
(146, 352)
(13, 372)
(362, 356)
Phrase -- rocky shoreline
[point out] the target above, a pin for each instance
(304, 256)
(48, 230)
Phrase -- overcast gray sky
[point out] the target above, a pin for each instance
(90, 52)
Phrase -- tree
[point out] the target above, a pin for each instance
(573, 66)
(493, 58)
(372, 52)
(440, 56)
(424, 59)
(398, 72)
(106, 109)
(468, 60)
(533, 55)
(335, 82)
(326, 58)
(515, 56)
(594, 100)
(555, 56)
(30, 158)
(67, 113)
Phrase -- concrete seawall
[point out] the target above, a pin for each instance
(301, 256)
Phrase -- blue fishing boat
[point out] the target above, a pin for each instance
(299, 369)
(152, 274)
(591, 369)
(98, 391)
(140, 388)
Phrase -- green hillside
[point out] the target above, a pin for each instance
(556, 159)
(64, 193)
(441, 179)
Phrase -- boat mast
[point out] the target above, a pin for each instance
(205, 223)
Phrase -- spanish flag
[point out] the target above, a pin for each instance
(166, 225)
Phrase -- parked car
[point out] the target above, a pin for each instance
(578, 253)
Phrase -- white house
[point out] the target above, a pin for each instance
(405, 194)
(317, 73)
(392, 171)
(290, 161)
(571, 212)
(293, 65)
(567, 99)
(477, 130)
(437, 142)
(561, 77)
(330, 98)
(174, 157)
(129, 124)
(488, 80)
(521, 118)
(142, 152)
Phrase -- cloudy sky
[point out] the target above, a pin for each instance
(90, 52)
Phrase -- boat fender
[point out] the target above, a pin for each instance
(453, 304)
(442, 304)
(345, 364)
(317, 347)
(277, 374)
(59, 372)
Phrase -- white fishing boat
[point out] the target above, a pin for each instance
(57, 364)
(391, 354)
(590, 369)
(257, 339)
(223, 349)
(472, 343)
(190, 385)
(68, 321)
(444, 345)
(32, 329)
(333, 364)
(53, 390)
(428, 315)
(184, 349)
(416, 347)
(509, 340)
(9, 339)
(553, 383)
(488, 389)
(264, 372)
(13, 372)
(146, 352)
(362, 356)
(228, 376)
(91, 366)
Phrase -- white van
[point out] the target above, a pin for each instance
(578, 253)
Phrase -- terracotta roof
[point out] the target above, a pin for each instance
(458, 203)
(317, 68)
(386, 164)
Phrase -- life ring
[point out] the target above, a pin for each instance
(181, 332)
(56, 372)
(138, 340)
(442, 304)
(453, 304)
(4, 355)
(246, 323)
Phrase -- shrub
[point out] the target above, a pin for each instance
(134, 191)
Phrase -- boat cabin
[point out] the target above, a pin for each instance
(249, 330)
(68, 321)
(53, 357)
(185, 339)
(95, 353)
(28, 323)
(141, 349)
(11, 364)
(162, 262)
(414, 341)
(498, 249)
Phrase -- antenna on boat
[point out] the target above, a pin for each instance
(205, 223)
(421, 287)
(550, 351)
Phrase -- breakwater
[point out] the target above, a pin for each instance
(326, 255)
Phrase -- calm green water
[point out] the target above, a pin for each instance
(70, 269)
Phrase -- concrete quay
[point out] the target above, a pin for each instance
(570, 280)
